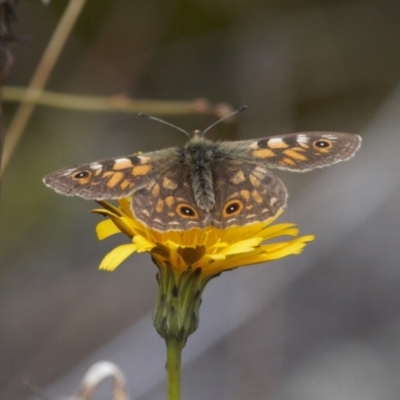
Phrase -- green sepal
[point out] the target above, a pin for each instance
(176, 312)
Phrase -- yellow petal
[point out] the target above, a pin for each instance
(284, 249)
(109, 207)
(244, 246)
(116, 256)
(125, 205)
(280, 230)
(125, 225)
(217, 257)
(106, 228)
(143, 244)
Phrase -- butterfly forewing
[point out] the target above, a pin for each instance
(298, 152)
(112, 178)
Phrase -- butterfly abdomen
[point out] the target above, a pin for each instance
(198, 156)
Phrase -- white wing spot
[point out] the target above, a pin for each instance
(251, 216)
(302, 138)
(68, 171)
(122, 160)
(95, 165)
(274, 141)
(273, 200)
(144, 159)
(330, 137)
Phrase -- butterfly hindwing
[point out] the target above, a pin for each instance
(167, 201)
(245, 192)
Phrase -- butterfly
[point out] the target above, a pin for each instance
(205, 183)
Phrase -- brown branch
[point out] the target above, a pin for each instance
(7, 35)
(120, 102)
(40, 78)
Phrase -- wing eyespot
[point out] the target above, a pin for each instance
(232, 208)
(186, 211)
(322, 144)
(81, 175)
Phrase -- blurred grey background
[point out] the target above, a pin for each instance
(322, 325)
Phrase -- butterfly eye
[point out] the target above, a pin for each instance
(81, 175)
(186, 211)
(233, 207)
(322, 144)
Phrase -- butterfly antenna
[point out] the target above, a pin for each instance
(165, 123)
(223, 119)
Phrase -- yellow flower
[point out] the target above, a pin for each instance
(187, 260)
(212, 250)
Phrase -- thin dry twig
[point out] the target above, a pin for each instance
(119, 102)
(35, 95)
(40, 78)
(7, 35)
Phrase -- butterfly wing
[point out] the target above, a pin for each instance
(245, 192)
(297, 152)
(167, 202)
(112, 178)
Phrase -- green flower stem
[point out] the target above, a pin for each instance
(174, 351)
(176, 313)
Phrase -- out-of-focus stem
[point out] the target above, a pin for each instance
(119, 102)
(40, 78)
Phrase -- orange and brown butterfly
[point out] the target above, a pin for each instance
(205, 182)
